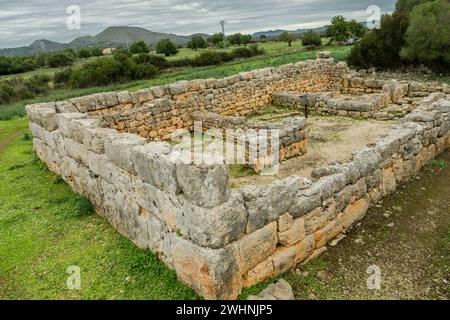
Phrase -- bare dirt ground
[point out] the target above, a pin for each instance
(330, 139)
(407, 236)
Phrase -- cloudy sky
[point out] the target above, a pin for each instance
(22, 22)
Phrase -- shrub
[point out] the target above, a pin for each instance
(381, 47)
(84, 53)
(428, 35)
(139, 47)
(6, 93)
(208, 58)
(180, 63)
(153, 59)
(143, 71)
(62, 77)
(100, 72)
(82, 207)
(311, 39)
(256, 50)
(166, 47)
(58, 60)
(243, 52)
(97, 52)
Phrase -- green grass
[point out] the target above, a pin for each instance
(270, 60)
(438, 163)
(9, 129)
(45, 228)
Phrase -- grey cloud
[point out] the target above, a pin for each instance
(25, 21)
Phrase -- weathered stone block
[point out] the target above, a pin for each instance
(153, 164)
(118, 149)
(214, 227)
(43, 115)
(266, 203)
(285, 222)
(284, 259)
(355, 212)
(256, 247)
(205, 185)
(212, 273)
(293, 235)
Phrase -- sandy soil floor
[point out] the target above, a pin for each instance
(330, 139)
(407, 236)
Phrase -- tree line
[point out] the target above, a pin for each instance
(418, 32)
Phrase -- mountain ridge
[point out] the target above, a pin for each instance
(114, 36)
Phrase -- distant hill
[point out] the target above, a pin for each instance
(110, 37)
(278, 32)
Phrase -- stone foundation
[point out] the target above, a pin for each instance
(218, 239)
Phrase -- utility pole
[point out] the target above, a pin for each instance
(222, 23)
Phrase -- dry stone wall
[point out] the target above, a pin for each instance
(157, 112)
(263, 144)
(219, 239)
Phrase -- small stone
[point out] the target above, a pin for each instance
(324, 276)
(277, 291)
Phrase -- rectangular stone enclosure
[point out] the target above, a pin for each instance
(118, 150)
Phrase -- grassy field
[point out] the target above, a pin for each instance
(275, 58)
(45, 228)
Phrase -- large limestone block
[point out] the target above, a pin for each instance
(212, 273)
(50, 138)
(95, 101)
(163, 205)
(367, 160)
(94, 138)
(260, 272)
(355, 212)
(43, 115)
(293, 235)
(78, 127)
(206, 185)
(118, 149)
(305, 201)
(266, 203)
(214, 227)
(64, 122)
(256, 247)
(284, 259)
(153, 165)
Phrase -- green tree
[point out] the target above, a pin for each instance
(356, 29)
(381, 47)
(139, 47)
(311, 39)
(197, 42)
(57, 60)
(235, 39)
(287, 37)
(428, 35)
(407, 5)
(339, 29)
(246, 39)
(217, 39)
(166, 47)
(84, 53)
(97, 52)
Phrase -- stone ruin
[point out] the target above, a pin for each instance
(116, 149)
